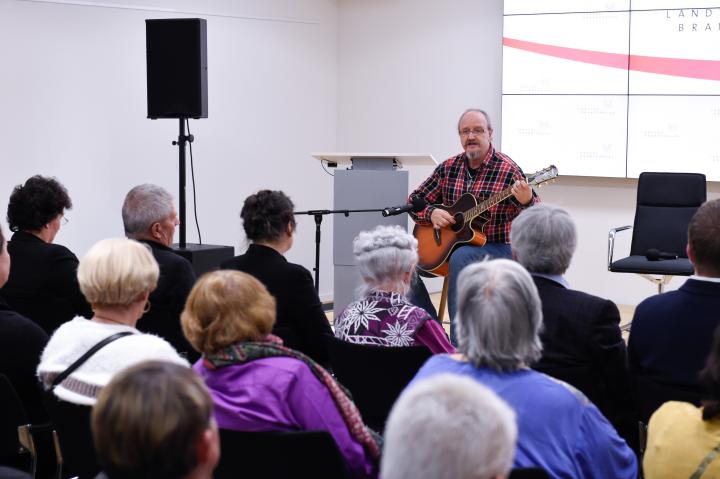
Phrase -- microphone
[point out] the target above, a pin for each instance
(417, 205)
(653, 254)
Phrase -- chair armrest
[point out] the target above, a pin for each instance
(611, 242)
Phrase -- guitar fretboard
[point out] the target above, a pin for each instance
(482, 207)
(534, 179)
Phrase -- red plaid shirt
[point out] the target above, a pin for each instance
(452, 178)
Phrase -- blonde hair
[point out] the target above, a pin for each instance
(227, 307)
(116, 272)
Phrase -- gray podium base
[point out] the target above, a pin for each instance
(361, 189)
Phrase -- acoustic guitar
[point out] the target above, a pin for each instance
(436, 245)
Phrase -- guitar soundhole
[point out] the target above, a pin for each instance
(459, 222)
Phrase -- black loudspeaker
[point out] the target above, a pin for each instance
(176, 68)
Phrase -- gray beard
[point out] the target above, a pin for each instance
(472, 156)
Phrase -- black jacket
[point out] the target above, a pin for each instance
(582, 331)
(301, 322)
(672, 333)
(43, 282)
(177, 278)
(21, 343)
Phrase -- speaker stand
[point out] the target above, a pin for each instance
(203, 257)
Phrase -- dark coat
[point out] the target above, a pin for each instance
(582, 331)
(301, 322)
(21, 344)
(43, 282)
(167, 302)
(672, 333)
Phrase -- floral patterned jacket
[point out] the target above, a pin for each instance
(387, 319)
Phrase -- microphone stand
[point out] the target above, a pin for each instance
(318, 214)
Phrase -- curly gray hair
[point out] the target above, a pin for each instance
(384, 255)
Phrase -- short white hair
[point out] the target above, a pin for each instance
(383, 255)
(449, 427)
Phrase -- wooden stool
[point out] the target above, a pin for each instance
(443, 299)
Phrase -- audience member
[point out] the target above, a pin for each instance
(682, 439)
(671, 333)
(386, 258)
(449, 427)
(256, 383)
(21, 342)
(149, 217)
(499, 321)
(42, 285)
(116, 276)
(270, 226)
(155, 420)
(581, 332)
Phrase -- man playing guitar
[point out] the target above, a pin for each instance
(482, 171)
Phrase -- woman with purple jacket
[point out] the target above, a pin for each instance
(256, 383)
(386, 257)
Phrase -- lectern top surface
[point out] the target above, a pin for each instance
(405, 159)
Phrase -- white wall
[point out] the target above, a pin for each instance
(408, 68)
(286, 77)
(73, 99)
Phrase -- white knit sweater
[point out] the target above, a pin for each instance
(72, 339)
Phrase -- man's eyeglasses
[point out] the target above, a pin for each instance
(65, 220)
(474, 131)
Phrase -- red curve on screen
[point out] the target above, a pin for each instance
(681, 67)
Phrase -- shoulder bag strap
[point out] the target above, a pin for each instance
(63, 375)
(710, 457)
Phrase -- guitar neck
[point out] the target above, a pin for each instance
(483, 206)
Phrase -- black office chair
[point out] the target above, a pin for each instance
(375, 375)
(279, 455)
(665, 204)
(72, 423)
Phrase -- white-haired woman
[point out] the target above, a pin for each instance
(116, 276)
(386, 257)
(473, 432)
(499, 319)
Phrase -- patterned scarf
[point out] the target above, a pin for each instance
(242, 353)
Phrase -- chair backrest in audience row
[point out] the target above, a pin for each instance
(375, 375)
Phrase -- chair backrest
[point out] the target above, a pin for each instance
(528, 473)
(651, 394)
(72, 423)
(276, 455)
(375, 375)
(13, 415)
(41, 442)
(665, 204)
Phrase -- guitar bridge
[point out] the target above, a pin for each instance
(436, 235)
